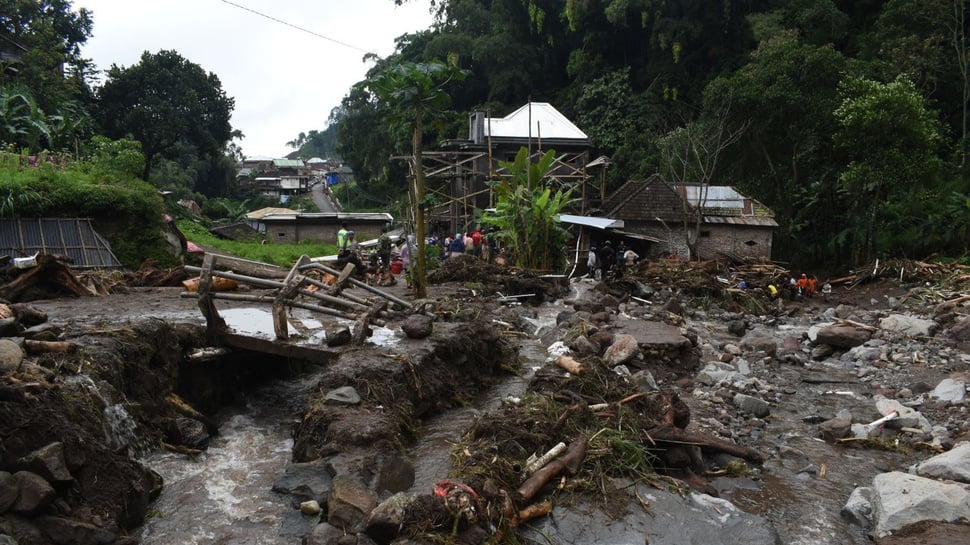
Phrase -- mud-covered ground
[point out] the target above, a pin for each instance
(465, 293)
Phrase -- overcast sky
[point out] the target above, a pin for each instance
(285, 80)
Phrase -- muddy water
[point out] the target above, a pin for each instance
(224, 496)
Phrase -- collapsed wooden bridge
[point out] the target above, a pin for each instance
(299, 289)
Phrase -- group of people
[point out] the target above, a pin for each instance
(474, 243)
(609, 260)
(375, 267)
(803, 286)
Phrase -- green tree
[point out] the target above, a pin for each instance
(22, 122)
(890, 140)
(527, 208)
(46, 39)
(414, 94)
(166, 101)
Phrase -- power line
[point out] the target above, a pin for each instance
(282, 22)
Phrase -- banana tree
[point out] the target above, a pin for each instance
(528, 204)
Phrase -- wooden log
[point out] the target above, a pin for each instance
(667, 434)
(362, 325)
(571, 366)
(268, 299)
(45, 347)
(249, 267)
(290, 287)
(947, 306)
(48, 270)
(397, 301)
(215, 324)
(568, 463)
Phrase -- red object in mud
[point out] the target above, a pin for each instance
(442, 487)
(396, 267)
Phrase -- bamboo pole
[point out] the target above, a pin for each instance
(360, 284)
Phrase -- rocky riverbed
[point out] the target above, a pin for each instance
(680, 397)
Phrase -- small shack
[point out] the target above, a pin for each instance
(74, 238)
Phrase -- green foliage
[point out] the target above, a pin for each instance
(527, 209)
(283, 255)
(126, 211)
(22, 122)
(890, 140)
(168, 104)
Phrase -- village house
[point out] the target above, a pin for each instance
(277, 178)
(283, 226)
(733, 226)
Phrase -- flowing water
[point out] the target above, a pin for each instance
(224, 496)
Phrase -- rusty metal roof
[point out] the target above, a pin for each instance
(73, 237)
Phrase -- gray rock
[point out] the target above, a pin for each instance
(835, 429)
(581, 346)
(960, 331)
(305, 481)
(752, 405)
(644, 379)
(11, 355)
(9, 327)
(909, 325)
(908, 417)
(737, 327)
(417, 326)
(338, 335)
(8, 491)
(350, 503)
(900, 499)
(858, 509)
(35, 493)
(385, 520)
(672, 520)
(950, 390)
(310, 507)
(623, 349)
(822, 351)
(191, 433)
(75, 532)
(843, 336)
(393, 474)
(760, 340)
(44, 332)
(345, 395)
(952, 465)
(48, 462)
(716, 372)
(324, 534)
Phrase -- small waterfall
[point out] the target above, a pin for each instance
(120, 428)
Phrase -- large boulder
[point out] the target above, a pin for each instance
(900, 499)
(305, 482)
(843, 336)
(952, 465)
(909, 326)
(48, 462)
(35, 493)
(11, 355)
(950, 390)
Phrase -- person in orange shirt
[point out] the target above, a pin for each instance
(801, 285)
(812, 285)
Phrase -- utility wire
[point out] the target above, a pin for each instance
(282, 22)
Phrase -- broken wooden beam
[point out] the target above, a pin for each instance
(291, 285)
(215, 324)
(397, 301)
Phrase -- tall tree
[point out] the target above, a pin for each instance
(166, 101)
(414, 93)
(690, 154)
(44, 39)
(890, 140)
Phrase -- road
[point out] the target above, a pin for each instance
(322, 199)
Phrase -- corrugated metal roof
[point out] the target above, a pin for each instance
(263, 212)
(288, 163)
(546, 122)
(73, 237)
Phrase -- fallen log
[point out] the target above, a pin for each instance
(49, 347)
(568, 463)
(667, 434)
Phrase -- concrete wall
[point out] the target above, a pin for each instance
(716, 240)
(294, 232)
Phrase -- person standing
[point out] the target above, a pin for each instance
(342, 237)
(384, 250)
(606, 258)
(591, 262)
(477, 242)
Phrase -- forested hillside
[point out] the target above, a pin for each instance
(852, 113)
